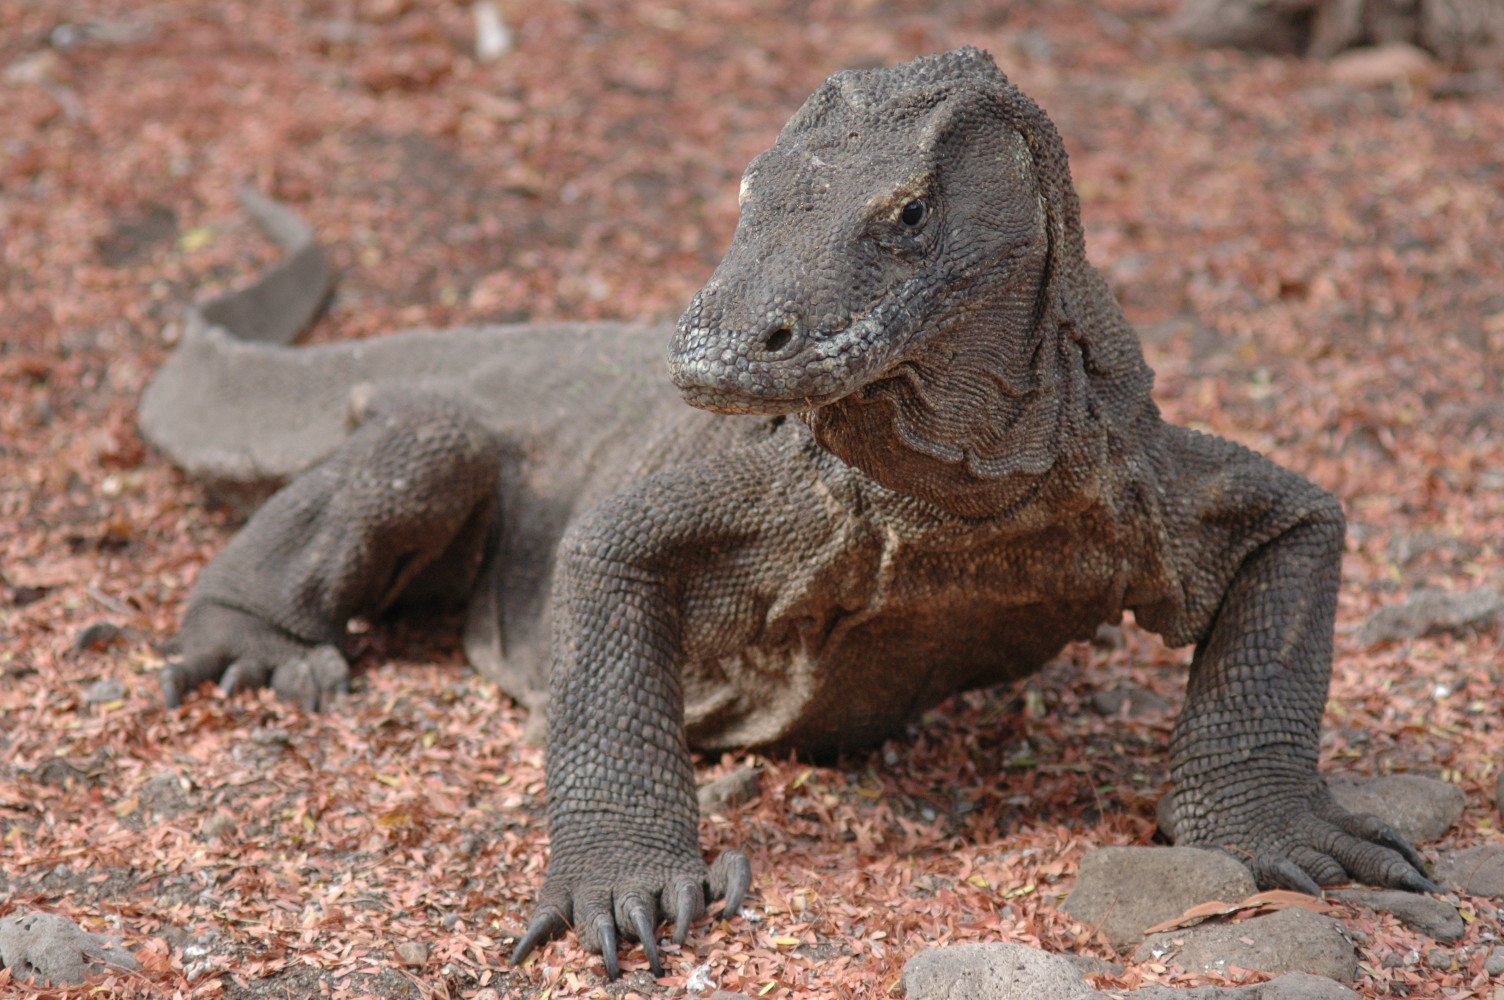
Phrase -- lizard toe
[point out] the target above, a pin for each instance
(1279, 872)
(640, 914)
(182, 676)
(605, 935)
(731, 877)
(245, 674)
(689, 905)
(313, 680)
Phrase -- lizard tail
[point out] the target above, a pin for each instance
(232, 405)
(276, 307)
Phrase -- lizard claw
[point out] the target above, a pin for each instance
(547, 924)
(627, 899)
(731, 876)
(643, 925)
(605, 929)
(691, 903)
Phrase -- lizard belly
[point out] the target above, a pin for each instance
(828, 675)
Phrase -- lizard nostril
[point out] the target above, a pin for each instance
(778, 339)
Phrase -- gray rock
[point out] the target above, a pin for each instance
(729, 790)
(104, 691)
(1428, 612)
(1292, 986)
(413, 952)
(724, 995)
(1427, 914)
(1473, 871)
(1499, 790)
(1109, 637)
(62, 772)
(1090, 965)
(52, 950)
(100, 635)
(1290, 940)
(1126, 890)
(1494, 964)
(1134, 701)
(993, 972)
(1418, 808)
(165, 794)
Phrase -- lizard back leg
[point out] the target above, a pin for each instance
(398, 514)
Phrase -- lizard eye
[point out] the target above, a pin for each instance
(914, 213)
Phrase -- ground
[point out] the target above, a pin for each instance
(1318, 268)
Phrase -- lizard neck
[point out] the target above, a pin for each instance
(977, 426)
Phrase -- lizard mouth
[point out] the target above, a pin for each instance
(727, 371)
(805, 373)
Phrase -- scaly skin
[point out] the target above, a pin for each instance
(946, 465)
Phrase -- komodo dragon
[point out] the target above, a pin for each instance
(924, 457)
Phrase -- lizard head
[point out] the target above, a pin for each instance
(900, 212)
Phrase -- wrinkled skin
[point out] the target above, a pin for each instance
(927, 459)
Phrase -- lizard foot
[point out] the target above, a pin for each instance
(241, 652)
(605, 899)
(1304, 845)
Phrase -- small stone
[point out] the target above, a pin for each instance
(99, 636)
(165, 794)
(103, 692)
(1382, 65)
(59, 772)
(1108, 637)
(1135, 702)
(729, 790)
(1431, 916)
(1418, 808)
(1439, 958)
(217, 826)
(1289, 940)
(412, 952)
(35, 69)
(1126, 890)
(1494, 964)
(493, 39)
(1093, 966)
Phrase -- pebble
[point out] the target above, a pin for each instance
(412, 952)
(103, 692)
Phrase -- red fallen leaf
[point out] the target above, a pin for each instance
(1268, 902)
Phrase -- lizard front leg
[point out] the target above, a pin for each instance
(622, 815)
(1243, 753)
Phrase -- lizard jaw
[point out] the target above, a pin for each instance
(731, 372)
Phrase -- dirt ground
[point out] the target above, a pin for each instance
(1317, 266)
